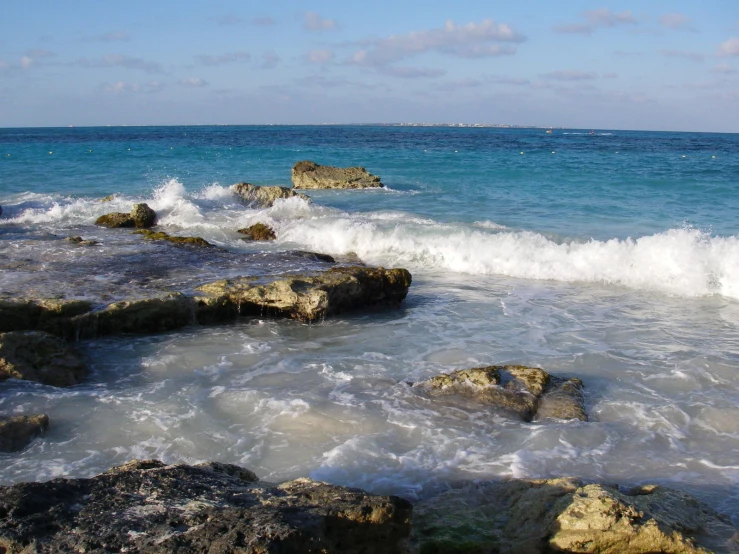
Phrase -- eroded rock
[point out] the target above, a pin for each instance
(311, 297)
(41, 357)
(264, 197)
(17, 432)
(147, 507)
(258, 231)
(81, 242)
(141, 216)
(310, 175)
(161, 235)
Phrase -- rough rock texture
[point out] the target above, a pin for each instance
(310, 175)
(309, 297)
(51, 315)
(41, 357)
(141, 216)
(264, 197)
(259, 231)
(518, 390)
(563, 515)
(17, 432)
(315, 256)
(82, 242)
(160, 235)
(147, 507)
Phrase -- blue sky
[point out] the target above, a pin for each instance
(641, 65)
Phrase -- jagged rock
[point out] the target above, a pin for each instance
(264, 197)
(310, 297)
(41, 357)
(108, 198)
(160, 235)
(17, 432)
(563, 515)
(519, 390)
(147, 507)
(310, 175)
(141, 216)
(80, 241)
(258, 231)
(315, 256)
(49, 315)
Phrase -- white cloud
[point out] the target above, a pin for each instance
(229, 57)
(120, 87)
(675, 21)
(25, 62)
(412, 72)
(263, 21)
(729, 48)
(314, 22)
(570, 75)
(692, 56)
(320, 56)
(113, 36)
(229, 19)
(193, 82)
(594, 19)
(119, 60)
(724, 68)
(270, 60)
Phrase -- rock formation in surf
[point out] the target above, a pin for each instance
(161, 235)
(17, 432)
(258, 231)
(264, 197)
(141, 216)
(310, 175)
(41, 357)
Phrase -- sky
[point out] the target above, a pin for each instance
(652, 65)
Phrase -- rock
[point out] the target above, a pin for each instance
(563, 515)
(108, 198)
(258, 231)
(314, 296)
(17, 432)
(160, 235)
(80, 241)
(141, 216)
(51, 315)
(314, 256)
(310, 175)
(264, 197)
(41, 357)
(518, 390)
(147, 507)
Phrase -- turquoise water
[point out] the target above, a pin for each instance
(611, 256)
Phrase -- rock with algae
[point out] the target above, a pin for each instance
(41, 357)
(161, 235)
(258, 231)
(141, 216)
(310, 175)
(264, 197)
(18, 431)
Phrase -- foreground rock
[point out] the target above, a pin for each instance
(258, 231)
(308, 297)
(49, 315)
(17, 432)
(161, 235)
(141, 216)
(145, 506)
(264, 197)
(310, 175)
(563, 515)
(81, 242)
(41, 357)
(527, 392)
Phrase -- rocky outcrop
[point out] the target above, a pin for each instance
(51, 315)
(258, 231)
(41, 357)
(527, 392)
(564, 515)
(141, 216)
(310, 175)
(81, 242)
(161, 235)
(147, 507)
(309, 297)
(17, 432)
(264, 197)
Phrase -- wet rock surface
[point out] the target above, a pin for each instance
(526, 392)
(564, 515)
(81, 242)
(161, 235)
(310, 175)
(141, 216)
(311, 297)
(17, 432)
(41, 357)
(258, 231)
(145, 506)
(264, 197)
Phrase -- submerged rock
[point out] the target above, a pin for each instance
(17, 432)
(264, 197)
(41, 357)
(310, 175)
(314, 256)
(141, 216)
(563, 515)
(519, 390)
(147, 507)
(258, 231)
(82, 242)
(309, 297)
(160, 235)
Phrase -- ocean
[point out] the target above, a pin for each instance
(611, 256)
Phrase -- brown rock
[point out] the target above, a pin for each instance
(258, 231)
(17, 432)
(563, 400)
(141, 216)
(160, 235)
(264, 197)
(41, 357)
(310, 175)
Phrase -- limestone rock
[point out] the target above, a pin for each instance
(141, 216)
(41, 357)
(81, 242)
(115, 220)
(161, 235)
(147, 507)
(108, 198)
(315, 296)
(17, 432)
(264, 197)
(515, 389)
(51, 315)
(310, 175)
(562, 515)
(259, 231)
(314, 256)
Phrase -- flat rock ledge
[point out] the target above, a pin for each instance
(17, 432)
(264, 197)
(141, 216)
(149, 507)
(41, 357)
(148, 234)
(310, 175)
(529, 393)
